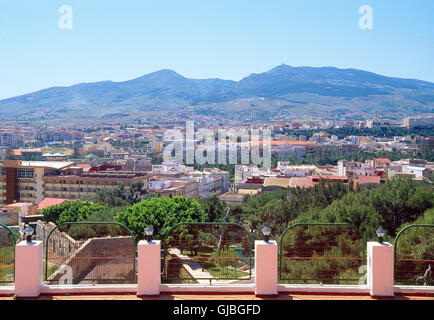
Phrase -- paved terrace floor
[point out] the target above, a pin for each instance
(180, 296)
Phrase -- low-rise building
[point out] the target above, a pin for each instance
(278, 183)
(232, 197)
(172, 188)
(32, 181)
(74, 187)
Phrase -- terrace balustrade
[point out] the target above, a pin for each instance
(145, 271)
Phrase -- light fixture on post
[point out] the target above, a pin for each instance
(380, 234)
(266, 232)
(28, 232)
(149, 231)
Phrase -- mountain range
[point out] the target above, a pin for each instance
(282, 89)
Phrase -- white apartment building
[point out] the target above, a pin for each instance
(355, 168)
(421, 121)
(8, 139)
(295, 170)
(242, 172)
(170, 167)
(173, 187)
(419, 171)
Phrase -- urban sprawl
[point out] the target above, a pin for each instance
(44, 165)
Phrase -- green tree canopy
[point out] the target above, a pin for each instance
(161, 214)
(278, 209)
(213, 207)
(398, 201)
(122, 194)
(72, 211)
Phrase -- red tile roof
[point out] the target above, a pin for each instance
(369, 179)
(382, 159)
(302, 182)
(84, 165)
(48, 202)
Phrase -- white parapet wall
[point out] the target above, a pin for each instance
(325, 289)
(415, 290)
(7, 290)
(215, 288)
(89, 289)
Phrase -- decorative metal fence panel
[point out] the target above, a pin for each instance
(206, 252)
(414, 255)
(322, 253)
(89, 253)
(7, 255)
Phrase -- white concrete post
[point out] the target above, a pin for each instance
(380, 269)
(265, 268)
(28, 269)
(149, 268)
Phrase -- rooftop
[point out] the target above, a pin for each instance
(250, 192)
(277, 182)
(48, 202)
(382, 159)
(329, 177)
(302, 182)
(369, 179)
(47, 164)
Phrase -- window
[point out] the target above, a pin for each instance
(21, 172)
(30, 173)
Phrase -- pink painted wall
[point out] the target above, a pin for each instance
(28, 269)
(380, 269)
(149, 267)
(265, 268)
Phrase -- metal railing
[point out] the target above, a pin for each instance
(90, 253)
(322, 253)
(414, 255)
(206, 252)
(7, 255)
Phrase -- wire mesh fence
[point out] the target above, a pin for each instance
(414, 256)
(206, 252)
(90, 253)
(7, 255)
(322, 254)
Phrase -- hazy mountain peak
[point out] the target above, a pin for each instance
(166, 88)
(282, 67)
(166, 72)
(163, 74)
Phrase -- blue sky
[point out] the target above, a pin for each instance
(121, 40)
